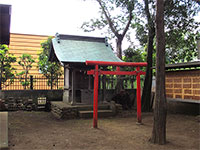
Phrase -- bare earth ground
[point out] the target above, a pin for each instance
(41, 131)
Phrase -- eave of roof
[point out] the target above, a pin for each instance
(183, 65)
(71, 49)
(80, 38)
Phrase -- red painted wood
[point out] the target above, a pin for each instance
(95, 100)
(118, 72)
(108, 63)
(97, 72)
(138, 97)
(91, 72)
(117, 68)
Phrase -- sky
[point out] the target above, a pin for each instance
(47, 17)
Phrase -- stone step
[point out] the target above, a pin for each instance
(3, 130)
(63, 110)
(101, 113)
(90, 107)
(80, 107)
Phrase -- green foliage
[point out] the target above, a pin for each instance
(134, 55)
(6, 70)
(181, 49)
(51, 70)
(131, 55)
(118, 12)
(180, 28)
(26, 62)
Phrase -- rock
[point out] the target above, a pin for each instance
(2, 105)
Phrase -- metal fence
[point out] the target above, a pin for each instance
(34, 83)
(41, 83)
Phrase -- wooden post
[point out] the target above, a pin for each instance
(131, 82)
(96, 73)
(104, 88)
(66, 93)
(95, 105)
(73, 97)
(31, 82)
(138, 97)
(89, 83)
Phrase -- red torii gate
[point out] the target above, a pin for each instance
(96, 72)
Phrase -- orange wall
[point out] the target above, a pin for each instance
(183, 84)
(26, 43)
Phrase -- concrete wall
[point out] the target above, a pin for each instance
(57, 95)
(52, 95)
(87, 95)
(183, 108)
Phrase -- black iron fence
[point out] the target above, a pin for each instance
(42, 83)
(33, 83)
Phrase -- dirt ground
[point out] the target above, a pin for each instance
(41, 131)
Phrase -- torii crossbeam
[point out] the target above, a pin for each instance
(96, 72)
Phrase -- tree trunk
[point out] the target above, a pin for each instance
(119, 47)
(26, 76)
(146, 93)
(1, 77)
(119, 85)
(160, 110)
(51, 81)
(0, 83)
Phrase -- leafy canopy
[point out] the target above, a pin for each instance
(51, 70)
(6, 69)
(115, 20)
(26, 62)
(181, 29)
(118, 13)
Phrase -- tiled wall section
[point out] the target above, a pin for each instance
(29, 44)
(183, 84)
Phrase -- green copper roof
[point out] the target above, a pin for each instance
(69, 48)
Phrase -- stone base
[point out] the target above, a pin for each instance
(1, 94)
(3, 130)
(62, 110)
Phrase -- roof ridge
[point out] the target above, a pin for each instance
(80, 38)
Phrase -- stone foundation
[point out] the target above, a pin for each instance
(14, 104)
(62, 110)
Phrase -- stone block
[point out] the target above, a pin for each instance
(3, 130)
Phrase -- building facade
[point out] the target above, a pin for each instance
(29, 44)
(183, 82)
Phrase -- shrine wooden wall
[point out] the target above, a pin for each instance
(183, 84)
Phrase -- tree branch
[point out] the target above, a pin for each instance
(148, 15)
(108, 19)
(128, 24)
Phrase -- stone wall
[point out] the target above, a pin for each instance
(28, 99)
(51, 95)
(17, 103)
